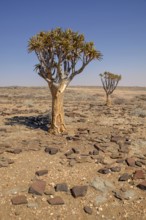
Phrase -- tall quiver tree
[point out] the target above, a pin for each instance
(62, 55)
(109, 82)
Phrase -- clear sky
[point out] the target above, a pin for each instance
(117, 27)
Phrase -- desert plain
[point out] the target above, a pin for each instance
(95, 171)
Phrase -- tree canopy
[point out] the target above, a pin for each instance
(62, 54)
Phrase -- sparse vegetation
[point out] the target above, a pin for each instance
(62, 55)
(109, 82)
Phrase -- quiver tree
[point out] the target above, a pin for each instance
(62, 55)
(109, 82)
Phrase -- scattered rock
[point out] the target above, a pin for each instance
(142, 185)
(41, 172)
(124, 177)
(88, 210)
(61, 187)
(104, 170)
(51, 150)
(130, 162)
(56, 201)
(37, 187)
(18, 200)
(79, 191)
(139, 174)
(102, 185)
(115, 169)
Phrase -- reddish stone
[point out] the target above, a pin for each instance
(130, 162)
(139, 174)
(56, 201)
(18, 200)
(37, 187)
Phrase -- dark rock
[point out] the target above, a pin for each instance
(142, 185)
(139, 174)
(41, 172)
(18, 200)
(104, 170)
(61, 187)
(124, 177)
(37, 187)
(51, 150)
(79, 191)
(130, 162)
(56, 201)
(115, 169)
(88, 210)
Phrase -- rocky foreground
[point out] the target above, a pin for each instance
(96, 171)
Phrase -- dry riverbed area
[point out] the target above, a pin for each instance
(95, 171)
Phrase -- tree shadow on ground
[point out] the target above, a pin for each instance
(36, 122)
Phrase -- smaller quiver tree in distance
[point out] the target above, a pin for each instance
(62, 55)
(109, 82)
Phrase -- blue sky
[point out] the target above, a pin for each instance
(117, 27)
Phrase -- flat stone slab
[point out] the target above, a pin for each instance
(18, 200)
(79, 191)
(102, 185)
(56, 201)
(37, 187)
(41, 172)
(61, 187)
(139, 174)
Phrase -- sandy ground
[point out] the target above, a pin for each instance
(24, 121)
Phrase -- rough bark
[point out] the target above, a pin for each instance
(108, 100)
(57, 124)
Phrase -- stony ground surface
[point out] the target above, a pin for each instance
(96, 171)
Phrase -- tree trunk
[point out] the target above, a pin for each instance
(57, 124)
(108, 100)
